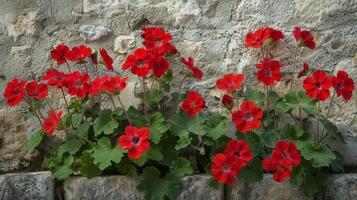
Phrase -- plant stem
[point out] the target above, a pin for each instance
(323, 136)
(294, 66)
(126, 112)
(99, 95)
(112, 100)
(67, 106)
(69, 68)
(318, 121)
(145, 101)
(181, 84)
(34, 111)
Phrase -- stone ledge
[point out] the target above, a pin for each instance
(27, 186)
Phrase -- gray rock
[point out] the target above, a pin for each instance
(124, 188)
(92, 33)
(27, 186)
(341, 187)
(123, 43)
(267, 189)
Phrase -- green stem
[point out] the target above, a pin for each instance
(318, 121)
(181, 84)
(126, 112)
(69, 68)
(34, 111)
(262, 52)
(294, 66)
(67, 107)
(145, 102)
(323, 136)
(112, 100)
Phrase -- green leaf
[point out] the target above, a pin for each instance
(127, 169)
(83, 129)
(314, 181)
(297, 175)
(292, 132)
(72, 146)
(320, 155)
(35, 140)
(332, 130)
(184, 141)
(269, 138)
(104, 153)
(182, 167)
(254, 143)
(337, 165)
(217, 126)
(153, 154)
(105, 123)
(154, 96)
(252, 172)
(87, 167)
(256, 96)
(62, 172)
(156, 188)
(158, 127)
(77, 118)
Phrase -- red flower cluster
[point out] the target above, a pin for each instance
(143, 60)
(262, 36)
(269, 71)
(15, 92)
(248, 117)
(110, 84)
(77, 84)
(51, 122)
(135, 140)
(304, 38)
(227, 101)
(284, 156)
(230, 82)
(107, 60)
(59, 53)
(343, 85)
(193, 103)
(318, 86)
(226, 166)
(77, 54)
(194, 71)
(54, 78)
(36, 90)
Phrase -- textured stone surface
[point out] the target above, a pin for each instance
(27, 186)
(267, 189)
(342, 187)
(124, 188)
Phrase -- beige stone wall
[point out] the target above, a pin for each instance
(212, 31)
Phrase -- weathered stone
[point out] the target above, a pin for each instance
(123, 43)
(123, 187)
(27, 186)
(26, 25)
(13, 137)
(267, 189)
(341, 187)
(92, 33)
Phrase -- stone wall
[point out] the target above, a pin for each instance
(40, 185)
(212, 31)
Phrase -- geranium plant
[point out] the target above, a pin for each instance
(172, 134)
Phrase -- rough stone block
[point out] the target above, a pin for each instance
(27, 186)
(124, 188)
(341, 187)
(267, 189)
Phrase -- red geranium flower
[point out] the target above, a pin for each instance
(15, 92)
(96, 86)
(343, 85)
(227, 101)
(194, 70)
(114, 84)
(54, 78)
(51, 122)
(230, 82)
(281, 168)
(256, 39)
(275, 35)
(159, 65)
(269, 71)
(36, 90)
(225, 169)
(94, 58)
(193, 103)
(304, 38)
(304, 70)
(138, 63)
(239, 150)
(155, 37)
(318, 86)
(287, 150)
(77, 84)
(77, 54)
(248, 117)
(107, 60)
(135, 140)
(59, 52)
